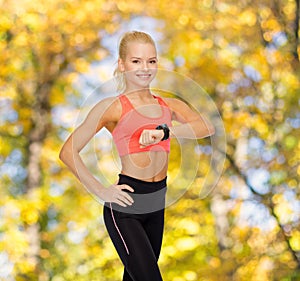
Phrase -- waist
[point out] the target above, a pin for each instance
(150, 166)
(148, 196)
(142, 186)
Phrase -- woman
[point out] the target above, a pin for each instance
(141, 127)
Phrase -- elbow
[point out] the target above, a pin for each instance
(64, 154)
(67, 153)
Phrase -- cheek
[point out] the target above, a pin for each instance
(130, 74)
(154, 70)
(124, 66)
(129, 66)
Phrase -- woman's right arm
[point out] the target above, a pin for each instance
(103, 113)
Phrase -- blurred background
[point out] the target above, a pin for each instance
(245, 55)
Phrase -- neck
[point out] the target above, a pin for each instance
(141, 93)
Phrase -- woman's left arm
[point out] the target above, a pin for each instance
(192, 124)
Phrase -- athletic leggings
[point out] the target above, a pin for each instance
(137, 230)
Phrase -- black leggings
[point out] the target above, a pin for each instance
(137, 230)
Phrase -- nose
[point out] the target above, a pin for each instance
(145, 66)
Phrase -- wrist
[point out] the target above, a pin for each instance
(166, 131)
(171, 132)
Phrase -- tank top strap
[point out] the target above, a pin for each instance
(160, 101)
(126, 104)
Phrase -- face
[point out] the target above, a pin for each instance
(140, 65)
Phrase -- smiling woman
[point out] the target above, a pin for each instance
(140, 65)
(141, 127)
(132, 57)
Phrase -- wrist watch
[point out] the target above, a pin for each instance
(166, 130)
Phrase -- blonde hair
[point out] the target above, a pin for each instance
(128, 37)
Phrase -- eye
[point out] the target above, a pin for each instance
(153, 61)
(135, 61)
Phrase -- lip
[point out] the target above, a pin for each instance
(144, 75)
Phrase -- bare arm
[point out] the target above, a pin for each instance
(103, 113)
(193, 125)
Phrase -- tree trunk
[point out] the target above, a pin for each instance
(270, 206)
(296, 30)
(40, 121)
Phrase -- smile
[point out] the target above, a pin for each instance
(144, 75)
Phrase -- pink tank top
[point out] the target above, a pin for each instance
(127, 133)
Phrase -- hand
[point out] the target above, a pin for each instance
(149, 137)
(115, 194)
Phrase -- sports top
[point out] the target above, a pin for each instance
(127, 132)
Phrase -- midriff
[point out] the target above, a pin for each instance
(147, 166)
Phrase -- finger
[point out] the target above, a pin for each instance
(124, 198)
(141, 139)
(149, 137)
(157, 136)
(125, 186)
(145, 138)
(119, 202)
(127, 198)
(154, 138)
(145, 135)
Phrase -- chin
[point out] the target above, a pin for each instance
(140, 84)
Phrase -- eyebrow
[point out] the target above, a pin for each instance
(141, 58)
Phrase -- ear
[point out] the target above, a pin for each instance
(121, 65)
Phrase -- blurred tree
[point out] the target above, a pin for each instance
(44, 46)
(245, 54)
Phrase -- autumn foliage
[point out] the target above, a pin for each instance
(245, 54)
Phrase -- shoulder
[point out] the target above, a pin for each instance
(174, 103)
(106, 110)
(108, 103)
(181, 110)
(108, 106)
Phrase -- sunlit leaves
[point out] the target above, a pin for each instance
(247, 64)
(241, 53)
